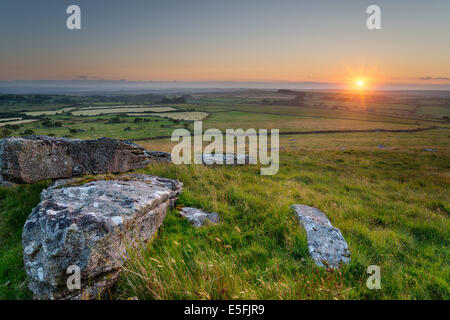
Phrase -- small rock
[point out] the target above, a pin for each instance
(326, 244)
(199, 217)
(430, 150)
(89, 226)
(220, 158)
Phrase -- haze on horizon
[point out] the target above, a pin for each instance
(253, 41)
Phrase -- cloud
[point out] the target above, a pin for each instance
(434, 78)
(84, 77)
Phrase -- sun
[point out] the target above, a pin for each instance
(359, 83)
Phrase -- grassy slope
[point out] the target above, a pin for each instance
(392, 207)
(15, 206)
(99, 126)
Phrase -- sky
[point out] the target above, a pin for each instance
(235, 40)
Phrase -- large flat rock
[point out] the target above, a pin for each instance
(33, 158)
(326, 244)
(90, 226)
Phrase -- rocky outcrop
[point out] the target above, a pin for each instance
(89, 227)
(229, 158)
(157, 156)
(326, 244)
(199, 217)
(33, 158)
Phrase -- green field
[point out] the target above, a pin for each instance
(378, 185)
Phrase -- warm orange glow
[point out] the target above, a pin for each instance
(362, 78)
(359, 83)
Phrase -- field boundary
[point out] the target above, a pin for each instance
(287, 133)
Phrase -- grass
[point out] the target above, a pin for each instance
(392, 204)
(102, 126)
(15, 206)
(17, 122)
(391, 207)
(290, 123)
(189, 116)
(48, 113)
(97, 111)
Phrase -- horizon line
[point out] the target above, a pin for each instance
(86, 85)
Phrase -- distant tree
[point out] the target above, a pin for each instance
(47, 123)
(12, 126)
(115, 120)
(180, 100)
(4, 133)
(300, 98)
(286, 91)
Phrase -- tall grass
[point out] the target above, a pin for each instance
(391, 207)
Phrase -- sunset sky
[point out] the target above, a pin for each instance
(258, 40)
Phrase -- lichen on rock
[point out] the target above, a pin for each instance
(326, 243)
(89, 226)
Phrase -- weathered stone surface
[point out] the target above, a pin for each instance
(199, 217)
(326, 244)
(157, 156)
(229, 158)
(90, 226)
(33, 158)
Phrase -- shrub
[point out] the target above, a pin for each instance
(5, 132)
(28, 132)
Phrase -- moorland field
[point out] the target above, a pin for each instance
(377, 164)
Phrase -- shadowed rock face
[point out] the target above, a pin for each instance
(90, 226)
(326, 244)
(34, 158)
